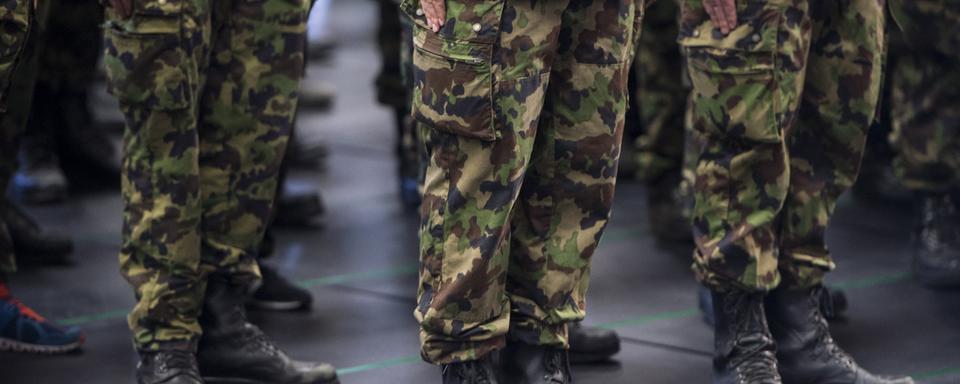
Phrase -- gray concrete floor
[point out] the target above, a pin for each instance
(361, 268)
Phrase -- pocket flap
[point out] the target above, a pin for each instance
(459, 51)
(158, 7)
(743, 38)
(757, 28)
(468, 20)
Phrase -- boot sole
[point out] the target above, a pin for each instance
(228, 380)
(7, 345)
(278, 305)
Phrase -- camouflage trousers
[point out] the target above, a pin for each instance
(926, 96)
(208, 90)
(660, 96)
(15, 22)
(524, 103)
(783, 104)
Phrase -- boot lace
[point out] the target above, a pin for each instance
(471, 372)
(759, 368)
(259, 341)
(828, 348)
(555, 367)
(755, 360)
(171, 361)
(26, 311)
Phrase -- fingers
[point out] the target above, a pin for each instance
(730, 13)
(436, 13)
(124, 8)
(723, 13)
(712, 10)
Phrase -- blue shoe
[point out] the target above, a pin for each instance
(23, 330)
(410, 192)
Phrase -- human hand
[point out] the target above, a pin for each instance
(723, 13)
(124, 8)
(436, 13)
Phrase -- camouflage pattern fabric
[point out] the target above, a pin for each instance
(15, 24)
(525, 104)
(660, 95)
(14, 28)
(208, 90)
(926, 95)
(19, 93)
(783, 102)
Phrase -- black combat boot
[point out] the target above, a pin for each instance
(31, 241)
(591, 344)
(234, 351)
(805, 350)
(535, 364)
(168, 367)
(833, 304)
(470, 372)
(744, 349)
(936, 256)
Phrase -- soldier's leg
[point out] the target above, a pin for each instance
(15, 21)
(566, 198)
(565, 201)
(926, 90)
(747, 86)
(155, 62)
(839, 103)
(838, 106)
(478, 157)
(18, 93)
(746, 91)
(925, 113)
(68, 68)
(661, 95)
(925, 96)
(246, 113)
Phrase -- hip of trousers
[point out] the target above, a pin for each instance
(783, 112)
(208, 90)
(522, 106)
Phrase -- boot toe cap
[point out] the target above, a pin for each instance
(316, 373)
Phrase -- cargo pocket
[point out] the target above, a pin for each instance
(737, 93)
(453, 81)
(145, 58)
